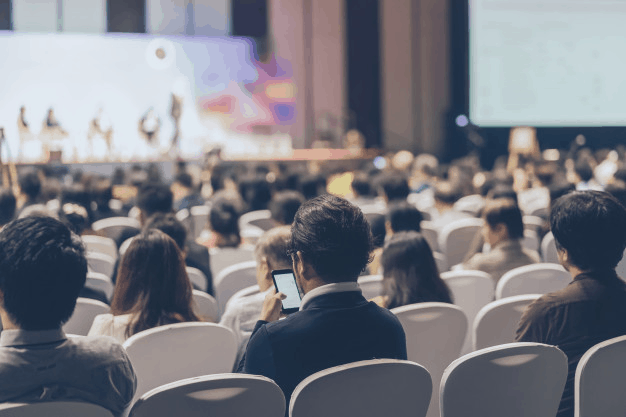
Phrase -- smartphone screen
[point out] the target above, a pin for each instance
(285, 282)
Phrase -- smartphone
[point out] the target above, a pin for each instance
(285, 282)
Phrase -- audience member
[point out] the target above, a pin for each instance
(102, 194)
(402, 217)
(584, 176)
(394, 187)
(184, 192)
(256, 193)
(30, 191)
(503, 231)
(270, 254)
(284, 206)
(42, 270)
(589, 229)
(410, 274)
(223, 225)
(152, 289)
(446, 194)
(330, 246)
(538, 196)
(8, 205)
(362, 193)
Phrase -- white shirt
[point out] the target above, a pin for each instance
(328, 289)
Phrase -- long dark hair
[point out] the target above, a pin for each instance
(410, 273)
(152, 283)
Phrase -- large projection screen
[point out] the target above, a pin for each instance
(547, 63)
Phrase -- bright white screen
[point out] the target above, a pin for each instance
(286, 284)
(547, 62)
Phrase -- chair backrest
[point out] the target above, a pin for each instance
(514, 380)
(100, 244)
(533, 223)
(84, 313)
(435, 333)
(205, 306)
(373, 388)
(532, 279)
(101, 263)
(248, 218)
(233, 279)
(200, 218)
(530, 240)
(246, 292)
(455, 239)
(197, 278)
(497, 322)
(441, 261)
(430, 234)
(222, 258)
(251, 234)
(621, 267)
(113, 226)
(173, 352)
(600, 380)
(371, 286)
(471, 204)
(54, 409)
(471, 290)
(100, 282)
(548, 249)
(221, 395)
(125, 245)
(184, 216)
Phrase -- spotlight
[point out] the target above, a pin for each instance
(461, 120)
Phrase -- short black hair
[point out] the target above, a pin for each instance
(584, 170)
(8, 205)
(184, 179)
(155, 198)
(505, 211)
(447, 192)
(404, 217)
(284, 206)
(311, 185)
(333, 236)
(224, 217)
(170, 225)
(591, 227)
(361, 184)
(30, 184)
(394, 186)
(256, 192)
(42, 270)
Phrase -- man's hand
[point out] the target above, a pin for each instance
(272, 306)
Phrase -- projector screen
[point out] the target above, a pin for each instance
(547, 62)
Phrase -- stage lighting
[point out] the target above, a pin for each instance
(461, 120)
(380, 162)
(160, 54)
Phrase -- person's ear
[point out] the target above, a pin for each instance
(563, 257)
(266, 270)
(298, 265)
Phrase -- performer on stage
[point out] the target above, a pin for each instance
(149, 126)
(22, 123)
(175, 112)
(101, 125)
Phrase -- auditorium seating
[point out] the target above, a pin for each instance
(221, 395)
(430, 234)
(197, 278)
(251, 290)
(373, 388)
(54, 409)
(205, 306)
(169, 353)
(232, 279)
(100, 282)
(100, 244)
(371, 286)
(530, 240)
(513, 380)
(548, 249)
(456, 237)
(441, 261)
(497, 322)
(222, 258)
(533, 279)
(200, 218)
(601, 380)
(470, 204)
(84, 313)
(260, 219)
(101, 263)
(435, 333)
(114, 226)
(184, 216)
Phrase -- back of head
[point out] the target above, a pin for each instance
(334, 238)
(42, 270)
(404, 217)
(168, 224)
(447, 193)
(7, 206)
(545, 173)
(505, 211)
(102, 194)
(584, 170)
(410, 272)
(395, 187)
(152, 283)
(502, 191)
(591, 227)
(311, 185)
(274, 246)
(361, 185)
(30, 184)
(155, 198)
(284, 206)
(185, 180)
(256, 192)
(224, 217)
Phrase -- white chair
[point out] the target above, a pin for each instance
(621, 267)
(124, 246)
(54, 409)
(430, 234)
(184, 216)
(101, 263)
(251, 234)
(100, 244)
(200, 218)
(233, 279)
(222, 258)
(548, 249)
(371, 286)
(173, 352)
(497, 322)
(222, 395)
(533, 223)
(259, 218)
(532, 279)
(113, 226)
(205, 306)
(434, 336)
(441, 261)
(84, 313)
(246, 292)
(100, 282)
(471, 204)
(514, 380)
(197, 278)
(373, 388)
(455, 239)
(471, 290)
(530, 240)
(600, 380)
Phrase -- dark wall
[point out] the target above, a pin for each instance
(126, 16)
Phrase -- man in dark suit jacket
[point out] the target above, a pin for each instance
(330, 245)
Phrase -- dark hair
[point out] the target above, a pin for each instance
(583, 170)
(42, 270)
(404, 217)
(7, 206)
(75, 216)
(505, 211)
(559, 189)
(102, 194)
(30, 184)
(394, 186)
(152, 283)
(502, 191)
(410, 273)
(333, 236)
(545, 173)
(256, 192)
(284, 206)
(591, 226)
(274, 245)
(224, 218)
(447, 192)
(168, 224)
(361, 184)
(311, 185)
(184, 179)
(378, 229)
(155, 198)
(77, 194)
